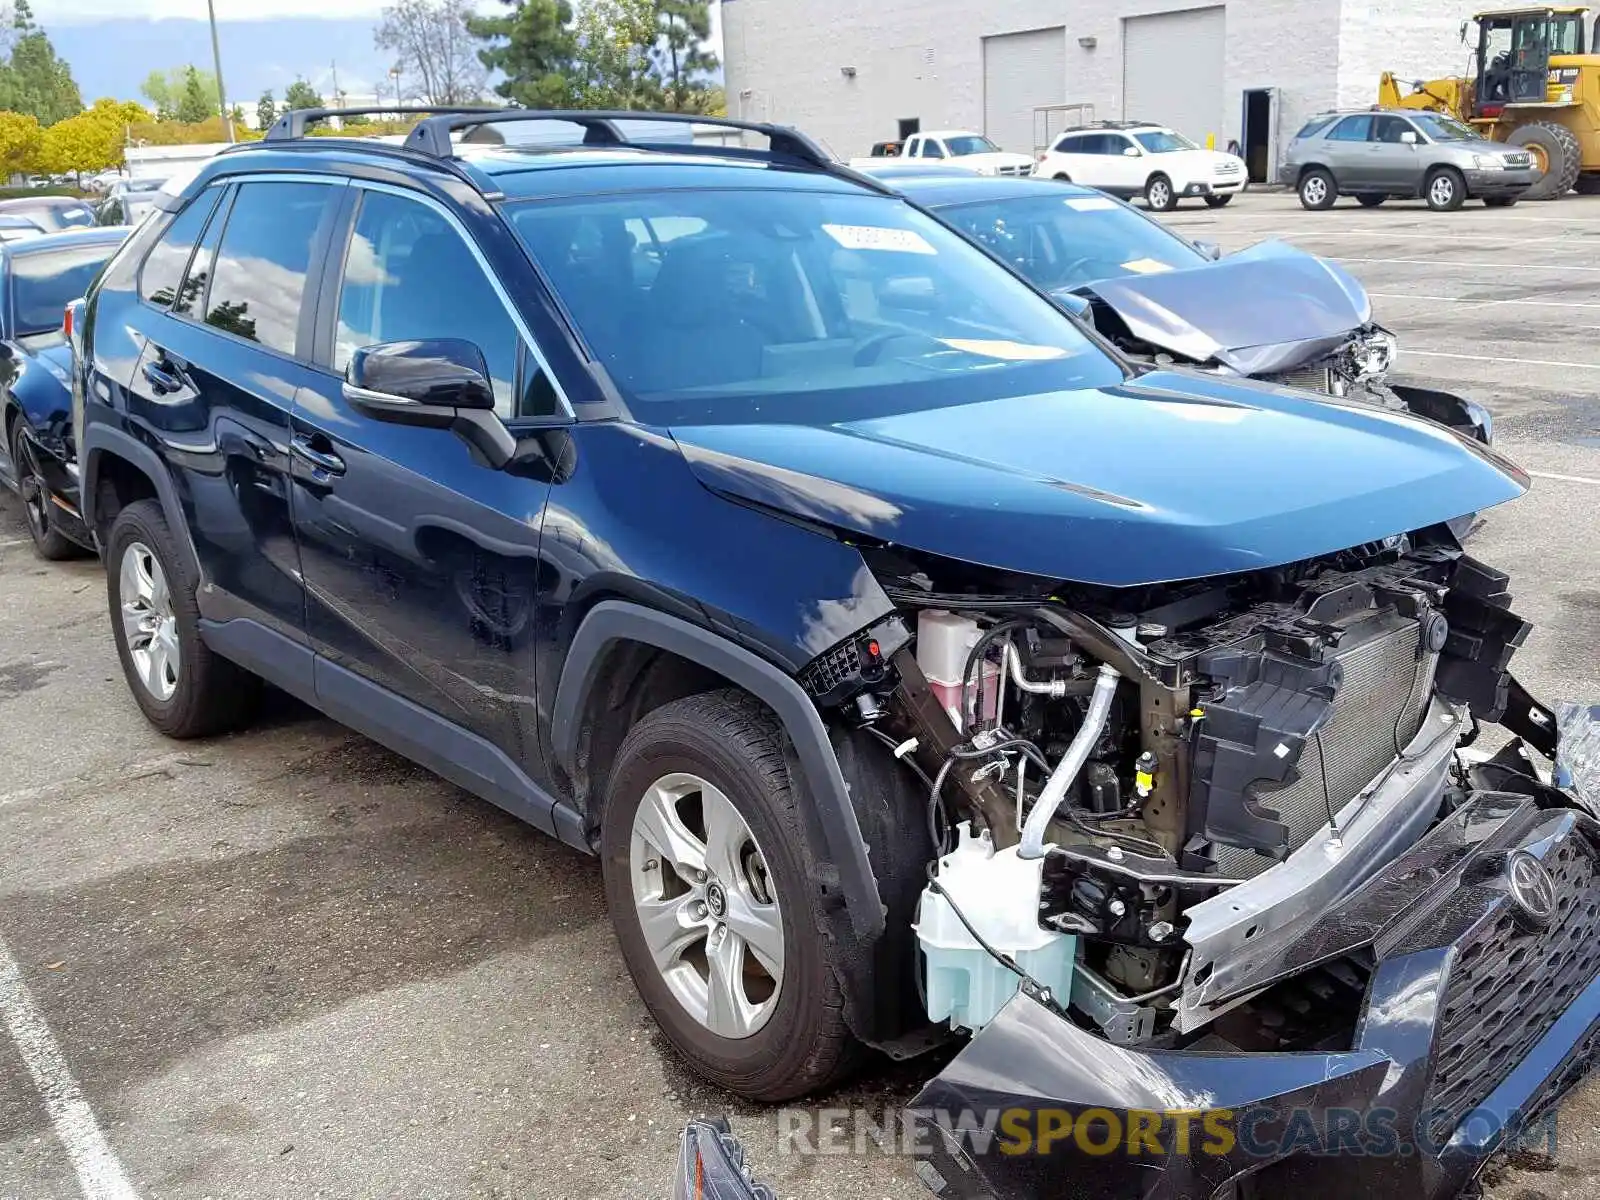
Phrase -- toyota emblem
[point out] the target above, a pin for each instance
(1533, 891)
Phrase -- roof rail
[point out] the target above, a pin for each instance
(295, 122)
(432, 134)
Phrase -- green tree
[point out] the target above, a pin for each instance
(301, 94)
(194, 105)
(266, 111)
(612, 66)
(682, 63)
(35, 81)
(167, 90)
(534, 47)
(20, 142)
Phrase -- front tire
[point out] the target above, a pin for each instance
(1159, 195)
(1317, 190)
(1559, 155)
(1499, 201)
(1445, 190)
(1218, 201)
(184, 689)
(714, 911)
(49, 543)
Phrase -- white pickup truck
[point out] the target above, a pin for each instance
(952, 147)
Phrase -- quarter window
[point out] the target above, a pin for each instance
(163, 268)
(259, 279)
(408, 274)
(1352, 129)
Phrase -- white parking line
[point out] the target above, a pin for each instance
(1565, 478)
(100, 1175)
(1496, 358)
(1476, 301)
(1427, 237)
(1493, 267)
(9, 543)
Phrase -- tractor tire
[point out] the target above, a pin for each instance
(1370, 201)
(1557, 146)
(1588, 185)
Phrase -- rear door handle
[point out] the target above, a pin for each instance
(162, 380)
(325, 461)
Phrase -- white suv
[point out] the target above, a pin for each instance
(1151, 161)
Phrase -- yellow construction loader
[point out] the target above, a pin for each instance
(1535, 83)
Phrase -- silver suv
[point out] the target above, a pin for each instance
(1373, 155)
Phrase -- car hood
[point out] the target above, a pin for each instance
(999, 158)
(1178, 474)
(1262, 310)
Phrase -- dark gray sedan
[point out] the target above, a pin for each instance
(1377, 155)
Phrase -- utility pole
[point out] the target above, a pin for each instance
(216, 62)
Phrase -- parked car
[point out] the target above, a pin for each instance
(14, 227)
(913, 662)
(1374, 156)
(51, 213)
(958, 147)
(129, 201)
(1270, 312)
(1133, 158)
(38, 278)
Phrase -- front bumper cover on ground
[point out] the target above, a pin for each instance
(1479, 1015)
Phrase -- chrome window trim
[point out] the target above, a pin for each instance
(488, 272)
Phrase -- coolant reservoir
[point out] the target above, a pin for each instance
(944, 639)
(998, 893)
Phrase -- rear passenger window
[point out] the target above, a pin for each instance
(163, 268)
(1352, 129)
(408, 274)
(260, 275)
(191, 296)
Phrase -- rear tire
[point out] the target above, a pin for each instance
(1061, 177)
(1317, 190)
(184, 689)
(708, 762)
(1563, 157)
(1218, 201)
(1499, 201)
(1370, 201)
(49, 543)
(1444, 189)
(1159, 195)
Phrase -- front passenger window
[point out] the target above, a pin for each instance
(409, 275)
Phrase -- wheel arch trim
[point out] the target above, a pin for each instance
(831, 817)
(99, 441)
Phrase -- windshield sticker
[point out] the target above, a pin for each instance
(1146, 266)
(873, 237)
(1010, 351)
(1090, 203)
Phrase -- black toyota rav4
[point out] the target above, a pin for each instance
(917, 667)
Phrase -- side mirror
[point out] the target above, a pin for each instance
(1130, 152)
(1210, 249)
(437, 383)
(1409, 138)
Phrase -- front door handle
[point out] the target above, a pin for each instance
(325, 461)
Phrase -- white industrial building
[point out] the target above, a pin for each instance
(853, 72)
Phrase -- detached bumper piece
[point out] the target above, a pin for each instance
(1482, 1008)
(711, 1166)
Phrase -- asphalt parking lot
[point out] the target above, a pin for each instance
(288, 963)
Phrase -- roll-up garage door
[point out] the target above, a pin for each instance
(1021, 72)
(1172, 72)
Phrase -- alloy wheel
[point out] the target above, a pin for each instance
(1441, 191)
(1160, 194)
(706, 905)
(30, 482)
(148, 622)
(1314, 190)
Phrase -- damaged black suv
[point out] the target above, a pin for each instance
(916, 666)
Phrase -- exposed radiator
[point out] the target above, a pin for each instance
(1377, 710)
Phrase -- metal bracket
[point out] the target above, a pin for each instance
(1122, 1021)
